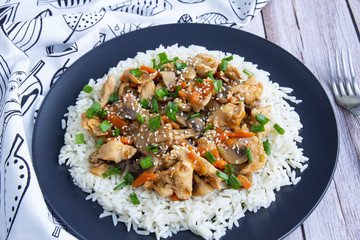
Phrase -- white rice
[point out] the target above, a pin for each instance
(208, 216)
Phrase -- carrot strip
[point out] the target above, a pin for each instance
(125, 140)
(144, 177)
(192, 156)
(244, 181)
(240, 134)
(148, 69)
(182, 94)
(115, 120)
(220, 164)
(174, 197)
(229, 142)
(222, 137)
(183, 84)
(195, 96)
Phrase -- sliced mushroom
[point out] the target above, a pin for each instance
(233, 154)
(184, 133)
(144, 77)
(197, 124)
(99, 170)
(136, 170)
(201, 187)
(129, 108)
(145, 137)
(169, 78)
(182, 106)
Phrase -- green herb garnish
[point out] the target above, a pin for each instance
(79, 138)
(104, 126)
(87, 88)
(146, 162)
(155, 123)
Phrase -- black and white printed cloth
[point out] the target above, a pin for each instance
(39, 40)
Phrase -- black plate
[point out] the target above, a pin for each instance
(293, 203)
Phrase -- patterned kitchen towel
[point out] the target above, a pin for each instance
(39, 40)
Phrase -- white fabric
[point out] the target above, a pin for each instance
(39, 40)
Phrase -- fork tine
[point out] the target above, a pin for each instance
(346, 75)
(352, 72)
(339, 75)
(333, 83)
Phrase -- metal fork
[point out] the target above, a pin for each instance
(345, 87)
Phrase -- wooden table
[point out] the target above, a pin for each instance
(308, 29)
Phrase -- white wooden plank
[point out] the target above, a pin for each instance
(307, 30)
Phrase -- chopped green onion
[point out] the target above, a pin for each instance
(79, 138)
(258, 128)
(217, 85)
(129, 178)
(152, 148)
(230, 58)
(249, 154)
(111, 171)
(172, 110)
(176, 93)
(199, 80)
(163, 58)
(134, 199)
(210, 75)
(114, 96)
(223, 65)
(267, 147)
(155, 106)
(87, 88)
(93, 110)
(104, 126)
(180, 65)
(121, 185)
(222, 175)
(102, 113)
(234, 182)
(210, 157)
(229, 169)
(248, 72)
(279, 129)
(144, 103)
(162, 92)
(146, 162)
(193, 116)
(99, 142)
(155, 123)
(261, 118)
(154, 64)
(136, 72)
(208, 127)
(175, 59)
(140, 118)
(116, 132)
